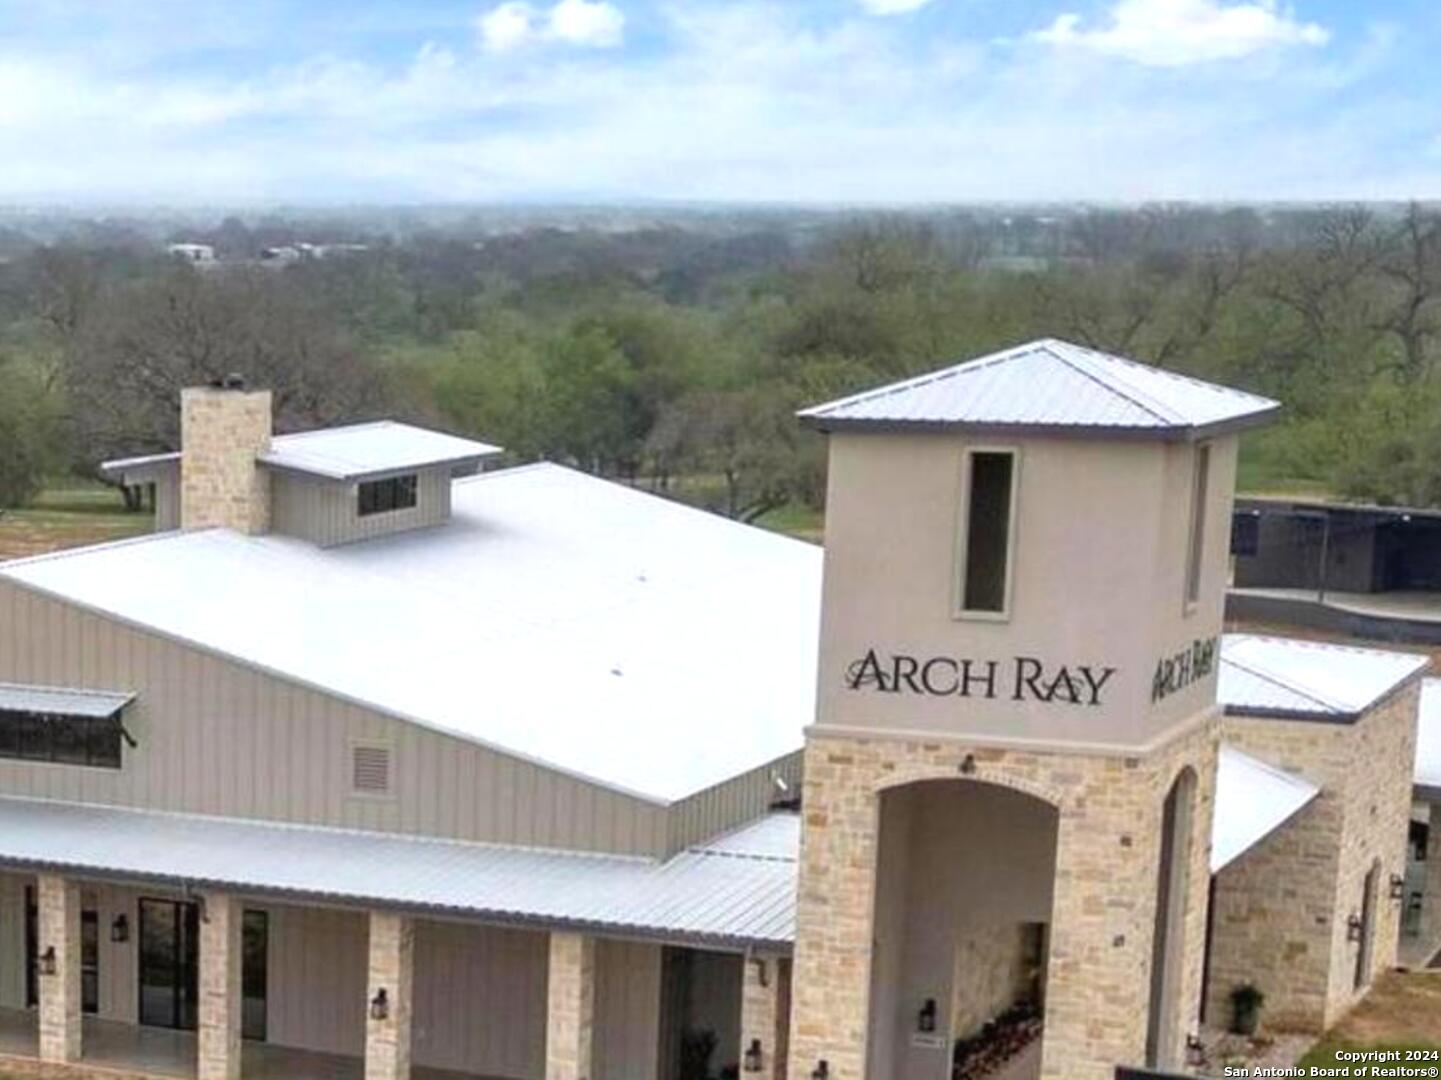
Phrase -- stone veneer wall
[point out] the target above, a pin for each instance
(1281, 908)
(1103, 918)
(221, 432)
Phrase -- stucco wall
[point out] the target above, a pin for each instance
(1100, 555)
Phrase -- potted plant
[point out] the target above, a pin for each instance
(1246, 1002)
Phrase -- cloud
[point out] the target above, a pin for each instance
(1175, 33)
(892, 7)
(750, 100)
(595, 24)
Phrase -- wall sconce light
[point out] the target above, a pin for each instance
(1398, 887)
(1195, 1051)
(120, 928)
(763, 976)
(1353, 927)
(753, 1059)
(380, 1005)
(47, 961)
(926, 1018)
(822, 1071)
(968, 764)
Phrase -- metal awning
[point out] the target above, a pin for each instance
(1253, 800)
(712, 896)
(58, 701)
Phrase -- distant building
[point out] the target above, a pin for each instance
(201, 254)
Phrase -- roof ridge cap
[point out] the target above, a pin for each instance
(1134, 394)
(976, 363)
(1286, 684)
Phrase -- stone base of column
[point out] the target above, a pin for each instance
(388, 997)
(570, 1019)
(220, 990)
(765, 1018)
(58, 924)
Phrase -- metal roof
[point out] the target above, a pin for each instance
(1049, 385)
(1309, 680)
(1428, 738)
(360, 450)
(697, 896)
(600, 631)
(352, 452)
(57, 701)
(1253, 799)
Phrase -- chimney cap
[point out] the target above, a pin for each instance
(232, 381)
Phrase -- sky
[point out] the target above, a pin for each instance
(855, 102)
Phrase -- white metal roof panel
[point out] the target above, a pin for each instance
(359, 450)
(1290, 677)
(1048, 384)
(1428, 736)
(1253, 800)
(601, 631)
(60, 701)
(694, 896)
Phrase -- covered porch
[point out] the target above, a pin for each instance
(113, 969)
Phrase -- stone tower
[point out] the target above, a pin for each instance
(1009, 781)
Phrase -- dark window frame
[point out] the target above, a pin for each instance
(970, 603)
(93, 742)
(1197, 525)
(388, 495)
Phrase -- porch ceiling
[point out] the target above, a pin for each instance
(720, 897)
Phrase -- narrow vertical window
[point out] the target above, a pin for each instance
(986, 559)
(1196, 553)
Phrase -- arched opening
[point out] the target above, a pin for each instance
(1163, 1049)
(1366, 949)
(964, 884)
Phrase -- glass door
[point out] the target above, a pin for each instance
(254, 945)
(169, 968)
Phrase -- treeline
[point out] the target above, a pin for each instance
(674, 357)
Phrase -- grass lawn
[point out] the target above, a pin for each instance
(1402, 1012)
(795, 519)
(68, 514)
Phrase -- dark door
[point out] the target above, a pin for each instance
(89, 955)
(169, 968)
(254, 973)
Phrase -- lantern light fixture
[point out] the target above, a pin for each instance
(120, 928)
(754, 1060)
(822, 1071)
(1353, 927)
(380, 1005)
(47, 961)
(926, 1018)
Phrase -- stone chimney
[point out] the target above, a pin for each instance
(222, 428)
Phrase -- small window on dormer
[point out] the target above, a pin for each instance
(987, 529)
(384, 496)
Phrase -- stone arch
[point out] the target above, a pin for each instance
(953, 965)
(984, 772)
(1168, 943)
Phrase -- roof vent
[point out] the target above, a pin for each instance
(370, 770)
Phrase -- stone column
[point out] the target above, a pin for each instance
(570, 1017)
(59, 929)
(221, 919)
(763, 1014)
(835, 913)
(387, 1038)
